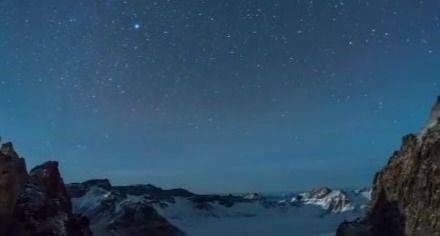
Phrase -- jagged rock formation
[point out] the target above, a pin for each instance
(44, 207)
(13, 176)
(35, 204)
(406, 192)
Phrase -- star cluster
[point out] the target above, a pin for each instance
(251, 94)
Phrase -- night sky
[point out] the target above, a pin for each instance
(217, 96)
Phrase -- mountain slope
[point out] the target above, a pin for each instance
(406, 192)
(122, 210)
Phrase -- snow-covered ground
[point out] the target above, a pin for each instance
(314, 216)
(253, 219)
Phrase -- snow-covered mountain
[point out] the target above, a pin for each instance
(335, 201)
(126, 210)
(122, 210)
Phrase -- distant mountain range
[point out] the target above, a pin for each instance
(404, 200)
(38, 203)
(127, 210)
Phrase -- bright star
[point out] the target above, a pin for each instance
(137, 26)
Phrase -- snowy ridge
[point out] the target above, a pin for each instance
(107, 206)
(335, 201)
(253, 196)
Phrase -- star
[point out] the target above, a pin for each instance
(137, 26)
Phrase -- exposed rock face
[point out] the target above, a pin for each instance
(13, 176)
(44, 207)
(35, 204)
(406, 192)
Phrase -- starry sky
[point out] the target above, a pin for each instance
(217, 96)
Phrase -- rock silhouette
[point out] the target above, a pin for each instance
(406, 192)
(35, 204)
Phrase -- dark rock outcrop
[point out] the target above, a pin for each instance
(44, 207)
(35, 204)
(406, 192)
(13, 176)
(140, 220)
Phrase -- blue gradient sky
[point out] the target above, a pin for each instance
(217, 96)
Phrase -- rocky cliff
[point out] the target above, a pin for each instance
(406, 192)
(13, 177)
(35, 203)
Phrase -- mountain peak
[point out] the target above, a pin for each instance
(13, 176)
(49, 165)
(7, 149)
(329, 199)
(35, 203)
